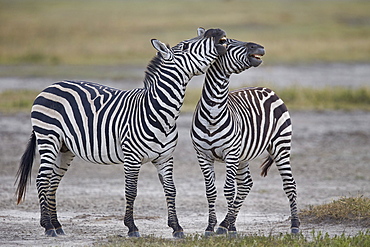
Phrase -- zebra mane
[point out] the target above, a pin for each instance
(151, 69)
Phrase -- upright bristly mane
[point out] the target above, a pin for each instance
(151, 70)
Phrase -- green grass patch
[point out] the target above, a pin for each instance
(119, 32)
(353, 210)
(317, 240)
(296, 98)
(302, 98)
(13, 101)
(335, 98)
(71, 72)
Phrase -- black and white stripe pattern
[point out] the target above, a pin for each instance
(237, 127)
(108, 126)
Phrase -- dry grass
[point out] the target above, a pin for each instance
(118, 32)
(354, 210)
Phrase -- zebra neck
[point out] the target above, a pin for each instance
(215, 93)
(165, 95)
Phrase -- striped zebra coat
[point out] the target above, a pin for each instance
(237, 127)
(108, 126)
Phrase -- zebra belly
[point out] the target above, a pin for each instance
(94, 151)
(113, 152)
(248, 155)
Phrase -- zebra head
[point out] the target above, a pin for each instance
(194, 56)
(240, 56)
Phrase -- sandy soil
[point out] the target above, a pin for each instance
(330, 159)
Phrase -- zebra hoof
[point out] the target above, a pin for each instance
(294, 230)
(221, 230)
(60, 231)
(134, 234)
(209, 233)
(51, 233)
(179, 234)
(232, 234)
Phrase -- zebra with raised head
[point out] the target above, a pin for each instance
(237, 127)
(104, 125)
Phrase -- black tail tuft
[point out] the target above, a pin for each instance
(266, 165)
(25, 168)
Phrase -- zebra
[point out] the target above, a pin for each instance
(235, 128)
(104, 125)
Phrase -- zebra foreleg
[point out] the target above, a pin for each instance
(131, 179)
(229, 191)
(244, 184)
(211, 193)
(165, 174)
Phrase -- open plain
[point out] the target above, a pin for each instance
(330, 159)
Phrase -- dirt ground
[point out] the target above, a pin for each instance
(330, 159)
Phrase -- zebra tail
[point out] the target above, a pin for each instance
(25, 168)
(266, 165)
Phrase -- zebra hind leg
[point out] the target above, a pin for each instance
(289, 187)
(64, 160)
(165, 174)
(52, 168)
(48, 157)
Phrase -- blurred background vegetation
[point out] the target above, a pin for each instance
(91, 38)
(112, 32)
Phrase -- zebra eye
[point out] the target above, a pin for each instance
(185, 46)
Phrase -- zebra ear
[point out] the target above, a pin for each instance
(162, 48)
(201, 31)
